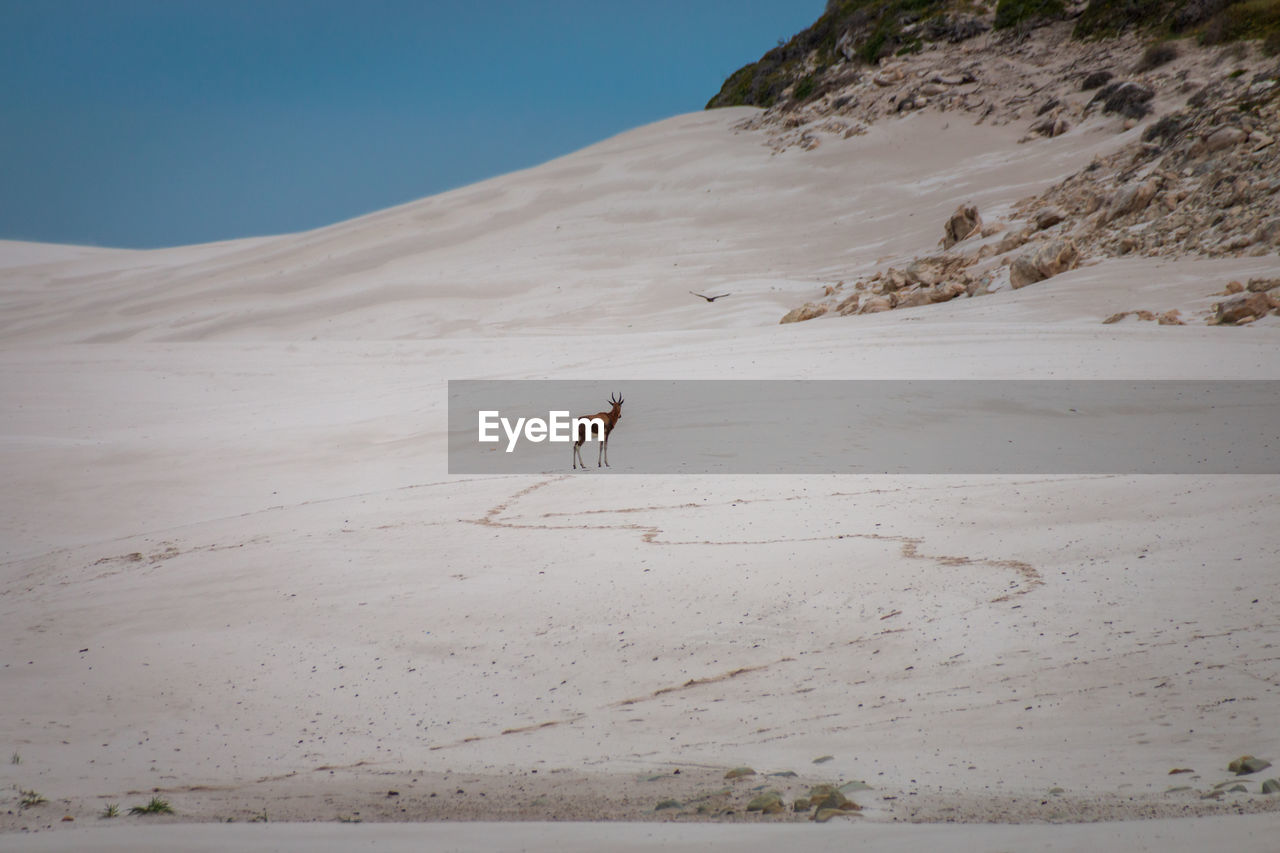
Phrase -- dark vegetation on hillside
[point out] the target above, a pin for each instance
(866, 31)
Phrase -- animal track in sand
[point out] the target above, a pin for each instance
(502, 515)
(651, 534)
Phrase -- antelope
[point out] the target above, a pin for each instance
(583, 431)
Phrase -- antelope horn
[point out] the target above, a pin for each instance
(617, 402)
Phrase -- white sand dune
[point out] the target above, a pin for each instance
(233, 566)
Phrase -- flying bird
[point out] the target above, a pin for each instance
(711, 298)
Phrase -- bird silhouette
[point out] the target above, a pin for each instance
(711, 298)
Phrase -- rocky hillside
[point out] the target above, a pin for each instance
(852, 33)
(1199, 174)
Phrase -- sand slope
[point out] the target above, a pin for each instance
(233, 567)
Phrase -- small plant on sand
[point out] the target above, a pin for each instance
(15, 759)
(261, 817)
(27, 799)
(156, 806)
(112, 810)
(345, 819)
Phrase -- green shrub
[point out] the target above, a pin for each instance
(1251, 19)
(1010, 13)
(1102, 18)
(1157, 54)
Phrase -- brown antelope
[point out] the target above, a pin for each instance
(582, 431)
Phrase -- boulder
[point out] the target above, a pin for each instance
(1242, 308)
(875, 305)
(807, 311)
(1262, 285)
(1050, 259)
(1223, 138)
(1171, 318)
(1049, 217)
(1268, 233)
(1011, 241)
(947, 291)
(962, 224)
(1133, 198)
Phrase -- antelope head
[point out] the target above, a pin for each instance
(617, 404)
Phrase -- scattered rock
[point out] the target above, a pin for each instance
(767, 803)
(1051, 126)
(801, 804)
(888, 77)
(1141, 315)
(830, 797)
(824, 815)
(1240, 309)
(912, 298)
(807, 311)
(854, 785)
(823, 759)
(922, 271)
(1271, 786)
(668, 804)
(962, 224)
(1262, 285)
(1234, 287)
(1175, 771)
(1171, 318)
(1246, 764)
(739, 772)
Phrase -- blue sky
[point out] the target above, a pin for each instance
(144, 123)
